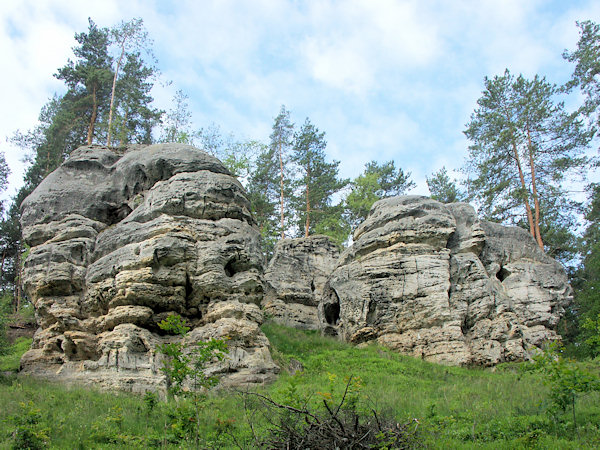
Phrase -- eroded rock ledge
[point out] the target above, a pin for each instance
(434, 281)
(120, 239)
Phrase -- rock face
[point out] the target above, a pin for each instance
(296, 276)
(121, 239)
(434, 281)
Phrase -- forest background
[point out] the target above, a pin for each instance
(531, 161)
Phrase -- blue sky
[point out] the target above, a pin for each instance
(386, 80)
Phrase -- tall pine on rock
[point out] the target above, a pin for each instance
(281, 141)
(523, 144)
(89, 77)
(269, 186)
(316, 186)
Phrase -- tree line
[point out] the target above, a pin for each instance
(525, 149)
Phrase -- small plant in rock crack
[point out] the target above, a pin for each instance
(185, 368)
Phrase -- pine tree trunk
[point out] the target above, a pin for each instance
(18, 293)
(536, 202)
(281, 189)
(112, 94)
(2, 268)
(524, 186)
(90, 135)
(307, 224)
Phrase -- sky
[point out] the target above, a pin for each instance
(385, 80)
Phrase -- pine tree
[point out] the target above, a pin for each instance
(376, 182)
(89, 77)
(135, 117)
(586, 280)
(281, 141)
(317, 184)
(443, 189)
(523, 145)
(587, 69)
(262, 196)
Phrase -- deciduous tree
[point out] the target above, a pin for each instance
(129, 38)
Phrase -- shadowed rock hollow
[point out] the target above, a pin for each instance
(120, 239)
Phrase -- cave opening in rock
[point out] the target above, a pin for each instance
(502, 274)
(230, 268)
(332, 313)
(189, 289)
(116, 214)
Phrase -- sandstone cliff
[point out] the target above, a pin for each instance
(120, 239)
(295, 278)
(434, 281)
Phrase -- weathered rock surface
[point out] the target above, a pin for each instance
(121, 239)
(296, 276)
(434, 281)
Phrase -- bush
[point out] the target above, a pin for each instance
(567, 380)
(337, 420)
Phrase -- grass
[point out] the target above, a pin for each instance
(10, 361)
(450, 407)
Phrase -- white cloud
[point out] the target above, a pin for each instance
(386, 79)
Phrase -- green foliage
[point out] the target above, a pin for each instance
(592, 326)
(587, 66)
(443, 189)
(376, 182)
(318, 180)
(177, 123)
(29, 433)
(10, 361)
(586, 284)
(185, 370)
(269, 185)
(566, 379)
(455, 407)
(523, 145)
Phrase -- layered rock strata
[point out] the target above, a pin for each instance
(296, 276)
(120, 240)
(434, 281)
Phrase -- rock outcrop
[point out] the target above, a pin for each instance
(434, 281)
(296, 276)
(121, 239)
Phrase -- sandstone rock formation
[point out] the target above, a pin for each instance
(120, 239)
(434, 281)
(296, 276)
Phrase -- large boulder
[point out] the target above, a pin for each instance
(296, 276)
(120, 240)
(434, 281)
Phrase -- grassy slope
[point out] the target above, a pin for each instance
(453, 407)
